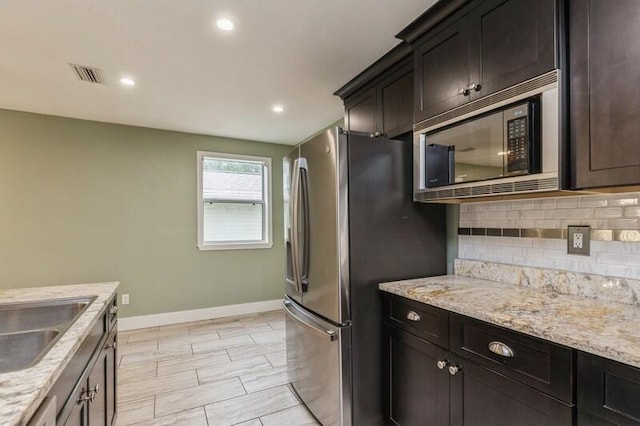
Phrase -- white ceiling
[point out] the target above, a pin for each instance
(191, 76)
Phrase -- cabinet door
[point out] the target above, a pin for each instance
(514, 40)
(396, 102)
(604, 56)
(481, 397)
(361, 111)
(609, 390)
(78, 415)
(98, 384)
(111, 358)
(416, 391)
(441, 66)
(585, 419)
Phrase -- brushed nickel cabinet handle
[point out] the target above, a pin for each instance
(463, 91)
(113, 310)
(413, 316)
(442, 364)
(474, 86)
(501, 349)
(454, 369)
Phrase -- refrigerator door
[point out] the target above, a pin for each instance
(318, 364)
(322, 226)
(293, 288)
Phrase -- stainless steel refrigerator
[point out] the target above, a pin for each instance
(350, 224)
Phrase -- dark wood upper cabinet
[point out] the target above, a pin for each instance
(442, 66)
(604, 92)
(515, 41)
(361, 112)
(481, 49)
(395, 94)
(379, 101)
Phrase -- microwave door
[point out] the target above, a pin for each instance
(478, 148)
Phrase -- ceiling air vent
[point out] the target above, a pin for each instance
(88, 74)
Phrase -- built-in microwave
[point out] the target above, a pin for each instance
(505, 143)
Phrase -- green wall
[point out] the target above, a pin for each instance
(83, 201)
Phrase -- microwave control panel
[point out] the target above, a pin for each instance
(518, 146)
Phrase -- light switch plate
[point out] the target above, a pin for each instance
(578, 240)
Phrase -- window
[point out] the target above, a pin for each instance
(234, 201)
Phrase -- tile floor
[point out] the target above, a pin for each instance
(228, 371)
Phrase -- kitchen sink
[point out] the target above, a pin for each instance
(22, 350)
(28, 330)
(16, 317)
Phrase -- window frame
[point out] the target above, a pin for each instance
(267, 218)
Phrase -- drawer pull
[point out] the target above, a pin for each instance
(442, 364)
(501, 349)
(413, 316)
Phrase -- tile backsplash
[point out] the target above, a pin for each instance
(617, 213)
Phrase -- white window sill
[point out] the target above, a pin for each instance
(235, 246)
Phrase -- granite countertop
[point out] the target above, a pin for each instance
(21, 392)
(599, 327)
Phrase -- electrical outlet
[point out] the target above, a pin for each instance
(125, 299)
(578, 240)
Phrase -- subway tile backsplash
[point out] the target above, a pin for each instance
(601, 212)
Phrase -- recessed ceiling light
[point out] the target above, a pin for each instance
(127, 81)
(277, 108)
(224, 24)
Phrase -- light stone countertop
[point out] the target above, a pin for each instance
(599, 327)
(21, 392)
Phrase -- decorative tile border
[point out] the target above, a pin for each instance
(631, 235)
(612, 289)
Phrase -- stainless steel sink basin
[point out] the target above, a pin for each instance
(21, 350)
(29, 330)
(16, 317)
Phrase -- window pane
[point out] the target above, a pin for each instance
(232, 222)
(231, 180)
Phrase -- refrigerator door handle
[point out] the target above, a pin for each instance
(294, 216)
(330, 334)
(304, 187)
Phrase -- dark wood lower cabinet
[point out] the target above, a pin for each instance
(86, 390)
(417, 391)
(102, 380)
(78, 415)
(585, 419)
(608, 391)
(481, 397)
(426, 384)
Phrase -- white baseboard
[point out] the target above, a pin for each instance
(167, 318)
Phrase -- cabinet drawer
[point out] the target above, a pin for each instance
(534, 362)
(427, 322)
(609, 390)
